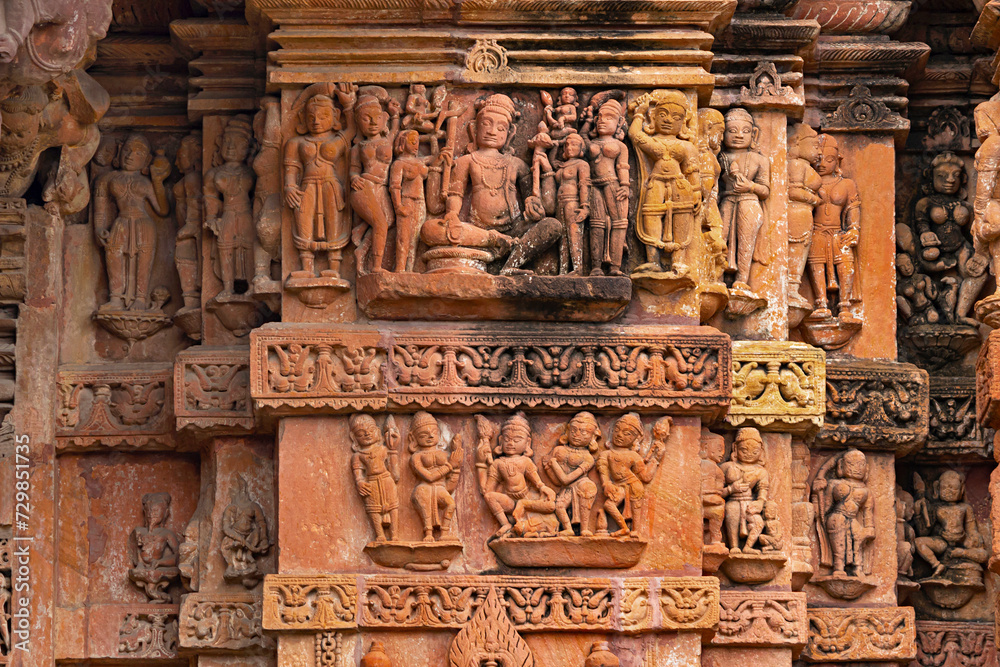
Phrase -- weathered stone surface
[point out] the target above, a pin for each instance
(861, 634)
(779, 386)
(212, 390)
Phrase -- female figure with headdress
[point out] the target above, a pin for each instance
(315, 173)
(437, 472)
(123, 224)
(670, 196)
(569, 465)
(370, 161)
(228, 206)
(803, 196)
(712, 127)
(624, 471)
(609, 178)
(375, 467)
(746, 183)
(745, 492)
(845, 514)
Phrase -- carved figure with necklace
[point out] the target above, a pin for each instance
(438, 473)
(568, 466)
(625, 471)
(845, 514)
(747, 483)
(375, 466)
(573, 204)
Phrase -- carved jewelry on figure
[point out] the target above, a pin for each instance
(189, 205)
(569, 466)
(123, 203)
(604, 129)
(154, 550)
(845, 525)
(833, 254)
(245, 536)
(437, 473)
(625, 471)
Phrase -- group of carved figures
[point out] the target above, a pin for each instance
(160, 557)
(508, 477)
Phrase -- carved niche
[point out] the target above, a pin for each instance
(153, 549)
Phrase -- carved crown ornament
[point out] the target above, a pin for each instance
(309, 367)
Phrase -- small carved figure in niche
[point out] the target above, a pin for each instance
(713, 483)
(670, 194)
(986, 208)
(845, 513)
(836, 230)
(375, 465)
(746, 184)
(601, 656)
(948, 533)
(905, 535)
(244, 536)
(267, 195)
(915, 293)
(609, 180)
(495, 226)
(624, 471)
(420, 113)
(438, 474)
(773, 537)
(937, 241)
(746, 488)
(712, 127)
(540, 145)
(188, 207)
(154, 549)
(376, 656)
(510, 477)
(123, 225)
(229, 207)
(573, 207)
(562, 117)
(569, 466)
(377, 120)
(314, 176)
(803, 196)
(406, 185)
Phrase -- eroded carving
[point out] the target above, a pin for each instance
(986, 208)
(189, 207)
(804, 183)
(221, 622)
(852, 635)
(153, 549)
(750, 618)
(213, 390)
(245, 536)
(778, 386)
(151, 635)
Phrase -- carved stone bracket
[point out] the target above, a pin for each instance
(675, 369)
(212, 390)
(534, 604)
(949, 642)
(861, 634)
(762, 619)
(127, 406)
(861, 112)
(221, 622)
(148, 632)
(880, 405)
(954, 431)
(988, 381)
(778, 385)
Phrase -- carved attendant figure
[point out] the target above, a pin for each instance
(406, 185)
(986, 221)
(670, 196)
(376, 472)
(845, 513)
(712, 126)
(188, 198)
(949, 539)
(569, 466)
(370, 160)
(314, 175)
(610, 180)
(803, 196)
(747, 482)
(836, 229)
(713, 485)
(129, 237)
(228, 206)
(154, 549)
(244, 536)
(438, 474)
(625, 472)
(746, 183)
(267, 195)
(562, 117)
(510, 477)
(573, 208)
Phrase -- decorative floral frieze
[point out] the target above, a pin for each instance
(762, 619)
(875, 405)
(127, 406)
(681, 369)
(212, 390)
(221, 622)
(942, 643)
(778, 385)
(861, 634)
(533, 604)
(148, 632)
(317, 602)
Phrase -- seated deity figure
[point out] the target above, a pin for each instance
(154, 549)
(747, 483)
(948, 533)
(488, 179)
(571, 461)
(845, 514)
